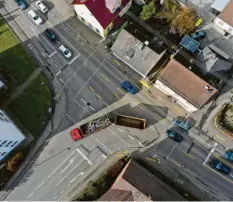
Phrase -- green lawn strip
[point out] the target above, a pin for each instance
(32, 107)
(13, 56)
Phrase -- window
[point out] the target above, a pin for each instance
(4, 142)
(14, 143)
(8, 143)
(3, 153)
(1, 114)
(97, 30)
(1, 118)
(6, 120)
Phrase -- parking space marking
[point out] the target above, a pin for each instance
(130, 137)
(76, 177)
(101, 144)
(91, 89)
(53, 53)
(61, 80)
(120, 90)
(120, 130)
(104, 77)
(77, 56)
(71, 118)
(69, 164)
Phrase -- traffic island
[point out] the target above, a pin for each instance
(224, 120)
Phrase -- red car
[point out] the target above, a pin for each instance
(76, 134)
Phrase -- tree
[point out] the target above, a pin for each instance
(172, 5)
(184, 23)
(14, 162)
(148, 10)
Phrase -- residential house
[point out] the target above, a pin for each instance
(10, 135)
(224, 20)
(140, 55)
(183, 86)
(135, 183)
(101, 15)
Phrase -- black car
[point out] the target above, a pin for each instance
(174, 135)
(219, 166)
(51, 35)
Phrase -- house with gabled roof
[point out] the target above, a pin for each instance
(101, 15)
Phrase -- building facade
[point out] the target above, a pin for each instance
(10, 135)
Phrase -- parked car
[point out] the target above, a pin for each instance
(76, 134)
(229, 155)
(21, 4)
(41, 7)
(198, 35)
(65, 52)
(174, 135)
(129, 87)
(181, 124)
(36, 18)
(51, 35)
(219, 166)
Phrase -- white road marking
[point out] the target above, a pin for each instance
(36, 189)
(120, 130)
(55, 65)
(161, 138)
(69, 173)
(130, 137)
(118, 137)
(59, 72)
(41, 184)
(77, 56)
(211, 151)
(231, 175)
(62, 191)
(31, 194)
(79, 67)
(55, 197)
(61, 80)
(33, 30)
(76, 177)
(103, 156)
(71, 118)
(141, 144)
(92, 108)
(83, 101)
(102, 144)
(52, 54)
(61, 164)
(84, 156)
(172, 150)
(70, 163)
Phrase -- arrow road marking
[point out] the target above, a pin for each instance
(70, 163)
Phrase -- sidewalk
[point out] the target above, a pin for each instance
(52, 127)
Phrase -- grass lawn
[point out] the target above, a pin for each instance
(32, 106)
(13, 56)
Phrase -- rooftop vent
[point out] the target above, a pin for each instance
(208, 89)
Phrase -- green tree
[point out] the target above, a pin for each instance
(172, 5)
(148, 10)
(184, 23)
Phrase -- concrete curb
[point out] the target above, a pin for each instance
(218, 127)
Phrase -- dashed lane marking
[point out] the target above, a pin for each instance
(171, 151)
(130, 137)
(102, 144)
(118, 137)
(104, 77)
(70, 62)
(189, 155)
(76, 177)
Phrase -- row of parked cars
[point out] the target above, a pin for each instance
(38, 21)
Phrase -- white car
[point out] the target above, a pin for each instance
(65, 51)
(36, 18)
(41, 7)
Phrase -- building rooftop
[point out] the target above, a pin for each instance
(187, 84)
(190, 44)
(100, 11)
(136, 53)
(135, 183)
(226, 15)
(219, 5)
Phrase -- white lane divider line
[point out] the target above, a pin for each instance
(130, 137)
(71, 118)
(31, 194)
(58, 73)
(36, 189)
(172, 150)
(120, 130)
(102, 144)
(211, 151)
(69, 164)
(69, 173)
(70, 62)
(62, 191)
(40, 184)
(84, 156)
(53, 53)
(76, 177)
(61, 164)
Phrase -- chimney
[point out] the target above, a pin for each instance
(112, 5)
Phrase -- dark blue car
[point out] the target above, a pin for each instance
(229, 155)
(174, 135)
(129, 87)
(219, 166)
(21, 4)
(198, 35)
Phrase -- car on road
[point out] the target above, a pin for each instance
(65, 52)
(229, 155)
(41, 7)
(21, 4)
(198, 35)
(76, 134)
(129, 87)
(36, 18)
(174, 135)
(181, 123)
(51, 35)
(219, 166)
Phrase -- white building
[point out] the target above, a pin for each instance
(10, 135)
(224, 20)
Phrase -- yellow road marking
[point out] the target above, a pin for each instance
(91, 88)
(104, 77)
(219, 174)
(99, 97)
(144, 83)
(120, 90)
(116, 95)
(220, 138)
(222, 159)
(189, 155)
(116, 62)
(154, 160)
(140, 104)
(177, 164)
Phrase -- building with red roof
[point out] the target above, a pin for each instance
(101, 15)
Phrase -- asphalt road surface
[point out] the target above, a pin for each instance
(92, 83)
